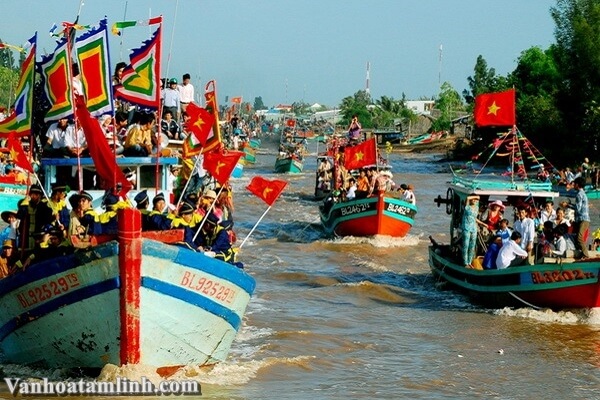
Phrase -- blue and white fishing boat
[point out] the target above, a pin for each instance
(133, 299)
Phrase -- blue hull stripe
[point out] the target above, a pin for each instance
(59, 302)
(55, 266)
(192, 298)
(402, 218)
(189, 258)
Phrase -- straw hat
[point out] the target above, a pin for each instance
(6, 214)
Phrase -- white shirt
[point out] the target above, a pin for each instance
(186, 93)
(59, 138)
(351, 194)
(409, 196)
(562, 244)
(73, 140)
(547, 216)
(507, 253)
(527, 230)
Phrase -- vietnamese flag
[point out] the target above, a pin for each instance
(17, 154)
(361, 155)
(268, 191)
(199, 124)
(220, 164)
(495, 109)
(291, 123)
(236, 100)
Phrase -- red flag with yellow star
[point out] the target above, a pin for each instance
(220, 164)
(268, 191)
(361, 155)
(495, 109)
(17, 154)
(199, 125)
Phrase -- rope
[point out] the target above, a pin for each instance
(524, 302)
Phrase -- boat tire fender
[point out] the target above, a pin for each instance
(449, 200)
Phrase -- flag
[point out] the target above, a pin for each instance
(210, 97)
(20, 120)
(361, 155)
(102, 155)
(199, 126)
(10, 46)
(220, 164)
(55, 70)
(268, 191)
(236, 100)
(291, 123)
(140, 82)
(92, 53)
(495, 109)
(126, 24)
(17, 154)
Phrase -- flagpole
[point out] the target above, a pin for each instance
(188, 182)
(212, 205)
(254, 227)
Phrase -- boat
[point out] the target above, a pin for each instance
(552, 282)
(289, 163)
(383, 213)
(378, 215)
(132, 299)
(249, 153)
(238, 171)
(12, 190)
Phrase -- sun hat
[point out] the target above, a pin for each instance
(497, 203)
(6, 214)
(211, 194)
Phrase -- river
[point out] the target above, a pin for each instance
(363, 318)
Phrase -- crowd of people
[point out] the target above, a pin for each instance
(43, 228)
(534, 233)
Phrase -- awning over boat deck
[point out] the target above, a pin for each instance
(121, 161)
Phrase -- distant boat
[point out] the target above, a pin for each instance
(288, 164)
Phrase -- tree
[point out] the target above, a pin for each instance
(448, 102)
(258, 103)
(9, 79)
(483, 81)
(578, 62)
(7, 59)
(356, 105)
(537, 83)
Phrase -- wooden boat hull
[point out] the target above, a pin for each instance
(238, 171)
(556, 286)
(288, 165)
(378, 215)
(10, 194)
(136, 301)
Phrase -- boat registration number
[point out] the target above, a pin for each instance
(354, 209)
(12, 191)
(208, 287)
(561, 276)
(398, 209)
(48, 290)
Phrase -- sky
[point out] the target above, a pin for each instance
(312, 51)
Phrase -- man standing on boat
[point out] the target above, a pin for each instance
(171, 100)
(354, 131)
(582, 217)
(526, 227)
(186, 92)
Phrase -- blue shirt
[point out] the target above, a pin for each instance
(489, 260)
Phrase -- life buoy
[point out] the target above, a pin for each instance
(449, 200)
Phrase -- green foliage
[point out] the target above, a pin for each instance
(577, 56)
(449, 103)
(258, 103)
(9, 79)
(356, 105)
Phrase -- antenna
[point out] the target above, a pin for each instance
(367, 88)
(440, 67)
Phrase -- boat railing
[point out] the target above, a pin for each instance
(494, 184)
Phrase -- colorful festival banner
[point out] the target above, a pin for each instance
(92, 53)
(55, 71)
(140, 82)
(495, 109)
(126, 24)
(210, 97)
(20, 120)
